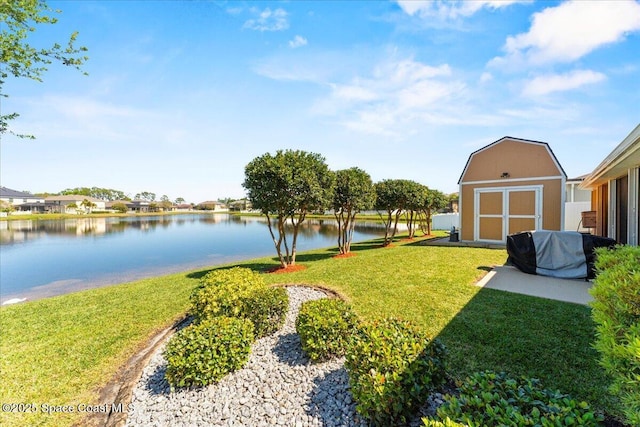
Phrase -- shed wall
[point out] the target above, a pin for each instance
(551, 203)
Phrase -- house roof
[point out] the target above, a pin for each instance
(73, 198)
(7, 192)
(504, 138)
(624, 157)
(578, 178)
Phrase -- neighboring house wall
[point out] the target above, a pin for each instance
(615, 186)
(64, 201)
(509, 186)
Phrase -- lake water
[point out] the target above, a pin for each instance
(46, 258)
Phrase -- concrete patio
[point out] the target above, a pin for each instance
(510, 279)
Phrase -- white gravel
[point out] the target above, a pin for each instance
(277, 386)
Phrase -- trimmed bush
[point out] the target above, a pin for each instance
(325, 327)
(392, 368)
(266, 308)
(220, 292)
(490, 399)
(616, 312)
(444, 423)
(203, 353)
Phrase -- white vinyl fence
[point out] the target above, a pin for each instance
(445, 221)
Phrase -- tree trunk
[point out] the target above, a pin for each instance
(387, 226)
(277, 243)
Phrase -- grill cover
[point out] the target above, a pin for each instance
(563, 254)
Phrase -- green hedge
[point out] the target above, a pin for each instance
(616, 312)
(392, 369)
(221, 291)
(490, 399)
(240, 292)
(266, 308)
(203, 353)
(325, 327)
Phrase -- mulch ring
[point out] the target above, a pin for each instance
(287, 269)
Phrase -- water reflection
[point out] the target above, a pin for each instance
(57, 256)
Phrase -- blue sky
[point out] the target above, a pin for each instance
(181, 95)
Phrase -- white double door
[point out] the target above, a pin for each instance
(506, 210)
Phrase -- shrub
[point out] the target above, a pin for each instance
(616, 312)
(221, 291)
(120, 207)
(325, 327)
(266, 308)
(444, 423)
(203, 353)
(392, 369)
(490, 399)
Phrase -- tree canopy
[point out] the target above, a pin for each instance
(394, 196)
(288, 186)
(22, 60)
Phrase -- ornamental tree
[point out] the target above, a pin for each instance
(22, 60)
(415, 195)
(433, 201)
(393, 196)
(354, 192)
(285, 187)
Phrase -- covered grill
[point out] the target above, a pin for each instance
(563, 254)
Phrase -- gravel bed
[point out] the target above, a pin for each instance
(278, 386)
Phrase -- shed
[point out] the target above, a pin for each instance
(509, 186)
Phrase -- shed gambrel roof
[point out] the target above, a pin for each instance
(510, 138)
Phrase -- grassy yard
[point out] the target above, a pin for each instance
(59, 351)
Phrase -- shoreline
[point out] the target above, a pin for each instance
(68, 286)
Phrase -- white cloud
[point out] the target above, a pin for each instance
(451, 9)
(571, 30)
(396, 94)
(297, 41)
(486, 77)
(268, 20)
(543, 85)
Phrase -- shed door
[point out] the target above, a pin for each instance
(503, 211)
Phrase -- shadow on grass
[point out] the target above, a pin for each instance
(301, 258)
(528, 336)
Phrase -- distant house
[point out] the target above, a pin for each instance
(15, 198)
(211, 205)
(138, 206)
(615, 191)
(133, 206)
(240, 205)
(509, 186)
(183, 207)
(76, 203)
(21, 201)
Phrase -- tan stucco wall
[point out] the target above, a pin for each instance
(551, 204)
(520, 159)
(600, 204)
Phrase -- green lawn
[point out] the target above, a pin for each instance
(61, 350)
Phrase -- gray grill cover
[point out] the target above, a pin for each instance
(563, 254)
(560, 254)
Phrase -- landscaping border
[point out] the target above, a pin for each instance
(118, 391)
